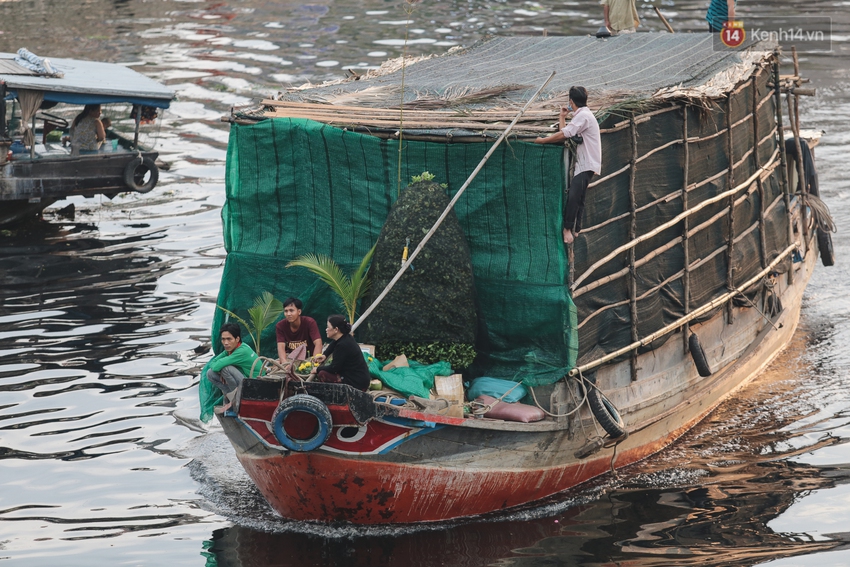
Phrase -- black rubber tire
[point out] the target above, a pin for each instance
(134, 174)
(605, 413)
(827, 256)
(307, 404)
(700, 360)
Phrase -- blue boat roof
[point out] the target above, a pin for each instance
(86, 82)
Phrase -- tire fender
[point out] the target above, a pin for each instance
(700, 360)
(605, 413)
(827, 256)
(308, 404)
(134, 173)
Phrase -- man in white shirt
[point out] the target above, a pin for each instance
(588, 156)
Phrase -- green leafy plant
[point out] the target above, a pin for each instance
(459, 355)
(424, 176)
(427, 176)
(265, 312)
(348, 289)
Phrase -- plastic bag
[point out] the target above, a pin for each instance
(414, 380)
(495, 387)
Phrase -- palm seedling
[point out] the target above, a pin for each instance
(265, 312)
(349, 289)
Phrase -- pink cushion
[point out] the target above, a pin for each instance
(511, 412)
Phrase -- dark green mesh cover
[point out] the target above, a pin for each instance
(434, 301)
(296, 186)
(604, 313)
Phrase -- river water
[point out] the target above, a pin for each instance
(106, 315)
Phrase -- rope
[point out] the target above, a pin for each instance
(821, 214)
(613, 457)
(265, 360)
(484, 408)
(760, 312)
(390, 395)
(572, 411)
(581, 421)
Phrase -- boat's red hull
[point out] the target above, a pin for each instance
(322, 486)
(315, 486)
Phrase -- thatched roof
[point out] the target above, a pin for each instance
(481, 88)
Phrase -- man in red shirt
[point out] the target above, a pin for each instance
(294, 330)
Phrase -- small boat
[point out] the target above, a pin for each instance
(700, 236)
(36, 167)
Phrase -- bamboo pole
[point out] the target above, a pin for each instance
(682, 320)
(657, 149)
(3, 135)
(448, 209)
(783, 160)
(620, 249)
(609, 176)
(792, 118)
(623, 124)
(796, 96)
(660, 250)
(677, 275)
(416, 124)
(676, 194)
(756, 165)
(686, 277)
(730, 228)
(664, 20)
(663, 199)
(632, 234)
(571, 257)
(374, 110)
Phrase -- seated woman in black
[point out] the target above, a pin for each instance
(348, 365)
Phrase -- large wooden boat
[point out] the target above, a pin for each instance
(45, 170)
(687, 279)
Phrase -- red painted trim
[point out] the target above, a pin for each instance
(410, 414)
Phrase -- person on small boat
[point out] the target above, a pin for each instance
(348, 365)
(588, 156)
(87, 133)
(229, 368)
(295, 330)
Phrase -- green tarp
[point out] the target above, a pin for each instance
(296, 186)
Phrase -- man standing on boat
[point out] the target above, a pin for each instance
(720, 12)
(620, 16)
(294, 330)
(584, 130)
(230, 367)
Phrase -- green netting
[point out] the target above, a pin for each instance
(296, 186)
